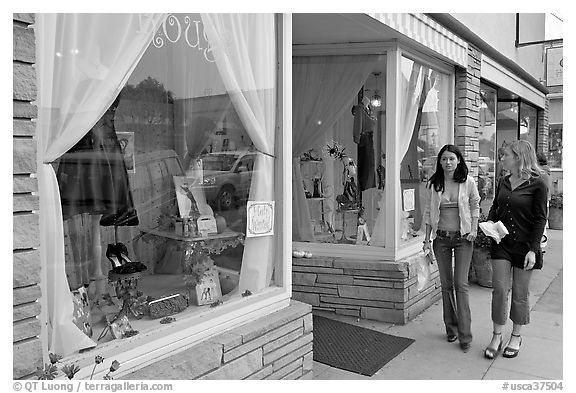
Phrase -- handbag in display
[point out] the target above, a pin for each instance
(168, 305)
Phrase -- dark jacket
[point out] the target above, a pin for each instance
(523, 211)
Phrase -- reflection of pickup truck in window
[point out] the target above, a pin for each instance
(227, 177)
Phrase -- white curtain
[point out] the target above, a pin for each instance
(323, 88)
(413, 90)
(244, 47)
(83, 61)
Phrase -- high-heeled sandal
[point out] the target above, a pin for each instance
(490, 353)
(122, 253)
(512, 352)
(112, 256)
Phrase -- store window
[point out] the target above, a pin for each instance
(555, 146)
(507, 126)
(340, 187)
(168, 202)
(487, 147)
(425, 110)
(528, 123)
(339, 149)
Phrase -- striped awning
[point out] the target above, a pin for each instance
(429, 33)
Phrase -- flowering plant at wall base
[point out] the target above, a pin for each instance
(557, 201)
(50, 371)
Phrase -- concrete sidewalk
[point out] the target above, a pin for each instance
(432, 357)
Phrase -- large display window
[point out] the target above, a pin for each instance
(169, 191)
(353, 190)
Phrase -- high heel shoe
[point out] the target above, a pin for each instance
(113, 257)
(122, 253)
(512, 352)
(490, 353)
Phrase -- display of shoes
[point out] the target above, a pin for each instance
(117, 254)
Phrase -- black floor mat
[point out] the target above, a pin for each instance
(353, 348)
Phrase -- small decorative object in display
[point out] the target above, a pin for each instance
(317, 193)
(208, 288)
(206, 225)
(167, 305)
(81, 313)
(246, 293)
(119, 326)
(167, 320)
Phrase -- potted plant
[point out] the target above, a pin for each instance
(481, 265)
(555, 211)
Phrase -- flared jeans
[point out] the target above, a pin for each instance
(454, 281)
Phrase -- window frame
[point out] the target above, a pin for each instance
(150, 347)
(394, 51)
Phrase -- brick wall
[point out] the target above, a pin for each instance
(27, 354)
(543, 128)
(379, 290)
(278, 346)
(467, 116)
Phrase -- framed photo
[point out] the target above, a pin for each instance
(126, 140)
(208, 289)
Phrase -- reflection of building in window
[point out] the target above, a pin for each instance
(555, 146)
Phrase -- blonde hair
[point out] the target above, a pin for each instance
(527, 161)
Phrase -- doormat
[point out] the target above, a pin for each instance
(354, 348)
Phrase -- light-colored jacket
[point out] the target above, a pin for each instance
(468, 206)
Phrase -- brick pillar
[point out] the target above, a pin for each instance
(543, 128)
(27, 351)
(467, 116)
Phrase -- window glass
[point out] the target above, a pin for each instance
(487, 145)
(425, 110)
(528, 123)
(506, 130)
(154, 197)
(555, 146)
(343, 170)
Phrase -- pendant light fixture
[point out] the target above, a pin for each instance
(376, 100)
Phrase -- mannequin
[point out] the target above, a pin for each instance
(92, 178)
(363, 129)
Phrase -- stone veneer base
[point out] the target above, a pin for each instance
(380, 290)
(277, 346)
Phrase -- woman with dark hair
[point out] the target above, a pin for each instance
(451, 218)
(520, 204)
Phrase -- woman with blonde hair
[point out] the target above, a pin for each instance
(520, 204)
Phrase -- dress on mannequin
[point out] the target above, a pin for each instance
(363, 129)
(92, 178)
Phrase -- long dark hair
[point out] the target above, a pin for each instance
(460, 174)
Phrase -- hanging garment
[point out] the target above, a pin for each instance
(363, 133)
(366, 167)
(92, 177)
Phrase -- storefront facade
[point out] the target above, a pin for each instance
(287, 110)
(122, 277)
(436, 81)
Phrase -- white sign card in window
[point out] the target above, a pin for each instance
(260, 221)
(408, 199)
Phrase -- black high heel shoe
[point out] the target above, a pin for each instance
(112, 256)
(490, 353)
(512, 352)
(122, 253)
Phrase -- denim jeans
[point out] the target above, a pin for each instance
(454, 281)
(505, 275)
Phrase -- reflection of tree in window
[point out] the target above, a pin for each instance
(145, 101)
